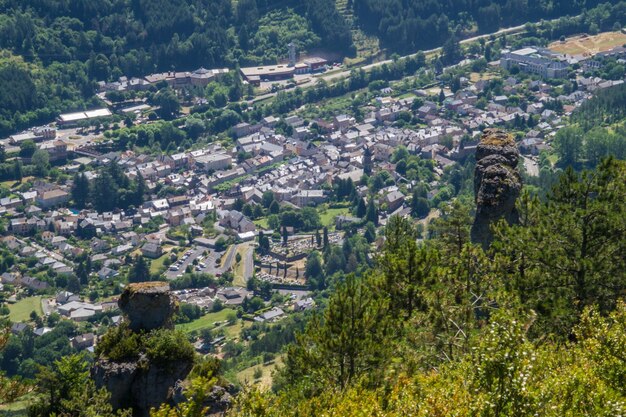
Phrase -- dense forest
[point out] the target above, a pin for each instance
(405, 26)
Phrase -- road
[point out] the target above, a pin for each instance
(346, 73)
(532, 168)
(248, 261)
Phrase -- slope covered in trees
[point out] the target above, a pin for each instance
(533, 326)
(416, 24)
(68, 45)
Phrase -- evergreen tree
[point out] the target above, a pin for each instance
(372, 212)
(139, 271)
(104, 194)
(80, 190)
(17, 170)
(367, 161)
(361, 209)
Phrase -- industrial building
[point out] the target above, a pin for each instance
(534, 61)
(72, 119)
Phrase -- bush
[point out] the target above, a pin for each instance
(119, 344)
(161, 346)
(164, 346)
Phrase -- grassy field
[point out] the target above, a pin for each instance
(21, 310)
(203, 322)
(232, 332)
(262, 223)
(265, 382)
(12, 183)
(157, 264)
(328, 217)
(477, 76)
(225, 256)
(588, 45)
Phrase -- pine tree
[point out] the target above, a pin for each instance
(372, 213)
(367, 161)
(80, 190)
(139, 271)
(361, 208)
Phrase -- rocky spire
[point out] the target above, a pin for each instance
(497, 183)
(148, 306)
(137, 380)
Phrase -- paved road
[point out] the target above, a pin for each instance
(532, 168)
(248, 261)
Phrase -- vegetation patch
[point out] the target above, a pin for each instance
(21, 310)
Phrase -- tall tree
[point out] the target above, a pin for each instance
(80, 190)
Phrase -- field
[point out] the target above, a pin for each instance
(328, 216)
(262, 223)
(265, 382)
(157, 264)
(21, 310)
(589, 45)
(203, 322)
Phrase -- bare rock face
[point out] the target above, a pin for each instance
(148, 306)
(141, 384)
(137, 385)
(497, 183)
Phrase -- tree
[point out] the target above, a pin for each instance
(561, 263)
(367, 161)
(80, 190)
(346, 343)
(568, 144)
(139, 271)
(264, 243)
(451, 51)
(326, 241)
(168, 103)
(372, 212)
(370, 232)
(67, 389)
(361, 209)
(41, 160)
(267, 199)
(140, 190)
(274, 207)
(313, 268)
(17, 170)
(419, 206)
(104, 194)
(27, 148)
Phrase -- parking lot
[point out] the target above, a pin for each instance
(207, 262)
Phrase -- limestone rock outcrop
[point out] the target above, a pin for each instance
(148, 306)
(497, 183)
(140, 383)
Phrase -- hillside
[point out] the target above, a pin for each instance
(53, 52)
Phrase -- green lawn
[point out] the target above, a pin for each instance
(157, 264)
(262, 223)
(21, 310)
(203, 322)
(328, 217)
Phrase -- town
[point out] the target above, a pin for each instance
(247, 224)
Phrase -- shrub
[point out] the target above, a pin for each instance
(119, 344)
(165, 346)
